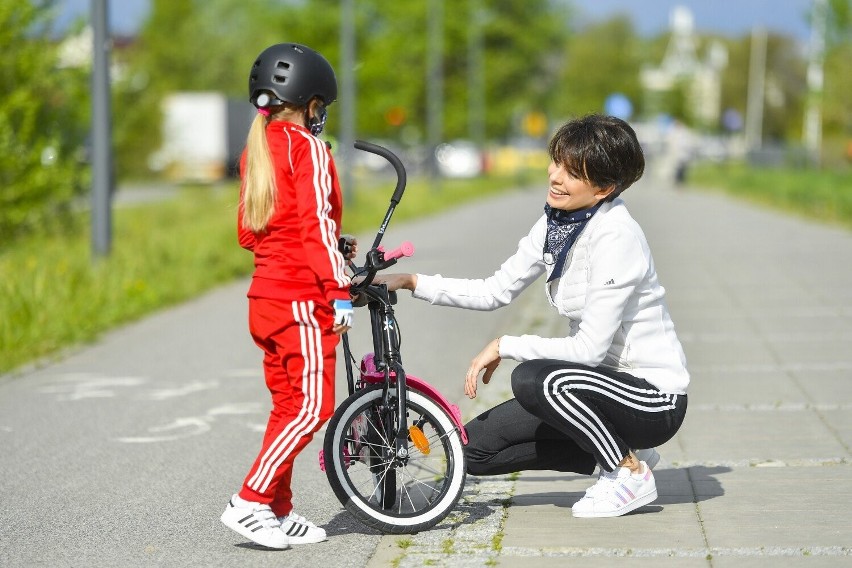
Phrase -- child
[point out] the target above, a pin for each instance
(299, 303)
(617, 381)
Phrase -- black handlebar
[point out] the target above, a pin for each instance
(401, 179)
(395, 162)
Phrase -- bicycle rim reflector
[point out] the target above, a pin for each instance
(419, 439)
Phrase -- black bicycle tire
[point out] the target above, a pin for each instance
(352, 501)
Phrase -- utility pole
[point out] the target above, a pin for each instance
(347, 98)
(101, 133)
(756, 89)
(435, 86)
(812, 131)
(476, 75)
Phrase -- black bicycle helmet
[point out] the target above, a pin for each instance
(293, 73)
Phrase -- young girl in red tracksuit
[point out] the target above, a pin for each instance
(299, 303)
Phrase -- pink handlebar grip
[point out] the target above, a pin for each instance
(405, 249)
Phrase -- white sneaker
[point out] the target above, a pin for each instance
(256, 522)
(300, 530)
(649, 456)
(616, 493)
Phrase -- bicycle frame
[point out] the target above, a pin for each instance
(385, 363)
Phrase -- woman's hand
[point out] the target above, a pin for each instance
(397, 281)
(488, 359)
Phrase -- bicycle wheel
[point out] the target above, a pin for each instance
(386, 493)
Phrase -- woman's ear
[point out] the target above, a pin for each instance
(604, 192)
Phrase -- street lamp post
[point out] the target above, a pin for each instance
(101, 133)
(812, 131)
(347, 98)
(435, 86)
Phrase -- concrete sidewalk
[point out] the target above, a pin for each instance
(760, 472)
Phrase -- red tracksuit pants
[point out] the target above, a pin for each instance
(298, 364)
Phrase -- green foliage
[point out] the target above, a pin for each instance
(53, 296)
(190, 45)
(42, 124)
(825, 196)
(599, 60)
(785, 84)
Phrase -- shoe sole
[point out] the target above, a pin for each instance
(632, 506)
(244, 532)
(296, 541)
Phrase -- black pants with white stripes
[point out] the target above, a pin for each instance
(569, 417)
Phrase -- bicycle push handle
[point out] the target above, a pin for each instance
(401, 176)
(376, 258)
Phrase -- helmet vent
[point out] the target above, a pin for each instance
(282, 69)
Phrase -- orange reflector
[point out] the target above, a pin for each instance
(419, 439)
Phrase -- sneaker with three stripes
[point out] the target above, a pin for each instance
(299, 530)
(617, 492)
(256, 522)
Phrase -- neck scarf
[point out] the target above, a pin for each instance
(563, 228)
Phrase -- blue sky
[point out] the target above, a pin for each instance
(729, 17)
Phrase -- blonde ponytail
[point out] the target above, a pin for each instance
(260, 190)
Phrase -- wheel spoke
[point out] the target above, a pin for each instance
(396, 494)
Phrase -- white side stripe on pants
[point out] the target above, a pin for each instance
(559, 388)
(306, 420)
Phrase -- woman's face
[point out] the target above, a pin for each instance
(570, 193)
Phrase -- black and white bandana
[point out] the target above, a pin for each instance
(563, 228)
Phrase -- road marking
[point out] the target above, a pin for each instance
(82, 386)
(190, 426)
(183, 390)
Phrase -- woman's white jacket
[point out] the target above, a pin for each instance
(614, 306)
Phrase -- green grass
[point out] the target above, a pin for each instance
(822, 195)
(53, 296)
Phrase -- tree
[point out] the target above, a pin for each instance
(43, 118)
(208, 45)
(837, 108)
(600, 60)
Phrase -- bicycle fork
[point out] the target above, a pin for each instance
(394, 363)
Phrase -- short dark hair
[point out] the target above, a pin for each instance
(602, 150)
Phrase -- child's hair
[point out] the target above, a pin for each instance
(259, 191)
(601, 150)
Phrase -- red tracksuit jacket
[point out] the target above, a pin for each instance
(296, 258)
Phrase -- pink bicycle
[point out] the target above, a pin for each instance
(394, 449)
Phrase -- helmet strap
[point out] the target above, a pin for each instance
(316, 123)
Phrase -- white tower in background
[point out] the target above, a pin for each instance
(680, 59)
(681, 64)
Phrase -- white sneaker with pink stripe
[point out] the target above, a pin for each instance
(616, 493)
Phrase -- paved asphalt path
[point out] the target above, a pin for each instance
(125, 452)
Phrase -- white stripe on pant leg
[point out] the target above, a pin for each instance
(310, 337)
(566, 411)
(274, 448)
(602, 432)
(311, 385)
(292, 429)
(650, 397)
